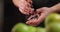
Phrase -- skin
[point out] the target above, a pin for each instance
(44, 11)
(24, 6)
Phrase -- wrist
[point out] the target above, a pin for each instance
(54, 9)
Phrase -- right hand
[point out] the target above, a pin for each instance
(44, 12)
(25, 7)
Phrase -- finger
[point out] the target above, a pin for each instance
(28, 22)
(24, 2)
(39, 10)
(28, 4)
(22, 11)
(32, 22)
(31, 17)
(29, 10)
(25, 6)
(29, 1)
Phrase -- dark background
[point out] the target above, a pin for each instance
(13, 16)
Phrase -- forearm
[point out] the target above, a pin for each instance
(56, 8)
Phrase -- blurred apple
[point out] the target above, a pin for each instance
(53, 17)
(54, 27)
(52, 22)
(20, 27)
(32, 29)
(40, 29)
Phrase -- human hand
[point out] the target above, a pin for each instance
(44, 12)
(25, 7)
(33, 22)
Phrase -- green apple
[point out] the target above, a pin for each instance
(32, 29)
(20, 27)
(54, 27)
(40, 29)
(52, 22)
(53, 17)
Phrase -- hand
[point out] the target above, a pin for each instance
(25, 6)
(44, 12)
(33, 22)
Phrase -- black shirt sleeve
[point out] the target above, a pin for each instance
(44, 3)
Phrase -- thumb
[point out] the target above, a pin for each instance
(39, 10)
